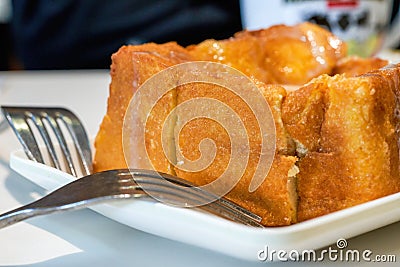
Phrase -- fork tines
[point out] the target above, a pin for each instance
(32, 125)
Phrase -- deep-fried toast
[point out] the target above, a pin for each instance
(336, 136)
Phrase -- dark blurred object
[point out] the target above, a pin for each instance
(5, 46)
(5, 35)
(71, 34)
(395, 9)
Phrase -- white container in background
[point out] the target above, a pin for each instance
(363, 24)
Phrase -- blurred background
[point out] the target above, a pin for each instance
(75, 34)
(71, 34)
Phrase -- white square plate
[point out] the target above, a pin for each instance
(220, 235)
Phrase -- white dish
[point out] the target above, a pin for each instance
(210, 232)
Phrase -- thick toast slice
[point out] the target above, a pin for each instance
(346, 130)
(275, 200)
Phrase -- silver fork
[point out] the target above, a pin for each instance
(2, 123)
(53, 124)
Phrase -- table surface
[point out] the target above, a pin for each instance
(84, 237)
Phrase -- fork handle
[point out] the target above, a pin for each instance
(22, 213)
(42, 207)
(33, 210)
